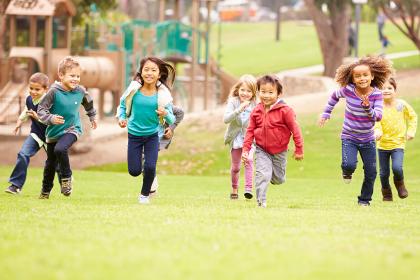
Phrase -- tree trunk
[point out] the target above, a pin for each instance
(332, 33)
(3, 21)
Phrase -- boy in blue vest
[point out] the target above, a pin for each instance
(38, 86)
(59, 109)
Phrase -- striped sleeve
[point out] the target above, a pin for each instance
(332, 101)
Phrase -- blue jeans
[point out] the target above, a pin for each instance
(349, 163)
(397, 157)
(57, 154)
(29, 148)
(137, 145)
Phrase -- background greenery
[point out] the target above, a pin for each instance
(249, 47)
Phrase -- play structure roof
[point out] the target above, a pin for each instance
(41, 8)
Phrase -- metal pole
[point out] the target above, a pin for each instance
(356, 41)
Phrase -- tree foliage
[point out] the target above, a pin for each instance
(84, 8)
(405, 15)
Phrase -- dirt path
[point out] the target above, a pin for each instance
(113, 149)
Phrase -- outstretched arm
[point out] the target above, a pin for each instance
(332, 101)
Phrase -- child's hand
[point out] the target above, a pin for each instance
(32, 114)
(122, 123)
(243, 105)
(410, 137)
(322, 121)
(365, 101)
(161, 112)
(57, 119)
(16, 130)
(378, 135)
(93, 124)
(298, 157)
(168, 133)
(245, 158)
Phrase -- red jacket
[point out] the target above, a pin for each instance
(272, 129)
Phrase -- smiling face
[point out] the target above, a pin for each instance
(268, 94)
(36, 90)
(150, 73)
(388, 91)
(362, 76)
(71, 78)
(245, 93)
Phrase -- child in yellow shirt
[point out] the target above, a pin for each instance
(398, 124)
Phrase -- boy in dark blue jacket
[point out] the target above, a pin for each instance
(59, 110)
(38, 86)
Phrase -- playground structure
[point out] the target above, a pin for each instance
(109, 59)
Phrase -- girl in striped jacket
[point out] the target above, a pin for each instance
(360, 82)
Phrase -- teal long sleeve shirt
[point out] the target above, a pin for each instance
(144, 120)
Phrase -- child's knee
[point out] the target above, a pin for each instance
(278, 181)
(134, 171)
(348, 166)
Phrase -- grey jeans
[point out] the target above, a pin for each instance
(269, 168)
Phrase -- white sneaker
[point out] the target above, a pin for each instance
(144, 199)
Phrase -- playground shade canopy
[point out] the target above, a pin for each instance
(41, 7)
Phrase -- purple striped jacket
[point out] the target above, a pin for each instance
(359, 121)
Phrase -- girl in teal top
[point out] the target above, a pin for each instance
(146, 103)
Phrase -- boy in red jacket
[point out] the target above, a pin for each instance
(271, 124)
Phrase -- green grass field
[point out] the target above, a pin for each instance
(299, 46)
(312, 228)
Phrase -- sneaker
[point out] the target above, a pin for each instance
(248, 195)
(363, 203)
(44, 195)
(12, 189)
(66, 186)
(264, 205)
(144, 199)
(347, 178)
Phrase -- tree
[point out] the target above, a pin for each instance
(332, 30)
(405, 15)
(3, 6)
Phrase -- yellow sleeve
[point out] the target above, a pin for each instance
(378, 128)
(411, 118)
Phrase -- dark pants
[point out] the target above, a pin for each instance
(137, 146)
(397, 157)
(57, 153)
(349, 163)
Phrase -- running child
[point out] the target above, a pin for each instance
(398, 124)
(271, 124)
(38, 86)
(145, 104)
(360, 82)
(59, 109)
(241, 102)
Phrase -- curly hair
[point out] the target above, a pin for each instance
(166, 71)
(249, 81)
(67, 63)
(270, 79)
(380, 67)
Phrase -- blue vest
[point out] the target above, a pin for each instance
(36, 127)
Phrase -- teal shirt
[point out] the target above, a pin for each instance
(67, 104)
(144, 120)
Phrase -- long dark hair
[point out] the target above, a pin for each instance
(166, 71)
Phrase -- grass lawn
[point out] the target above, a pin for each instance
(312, 228)
(299, 46)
